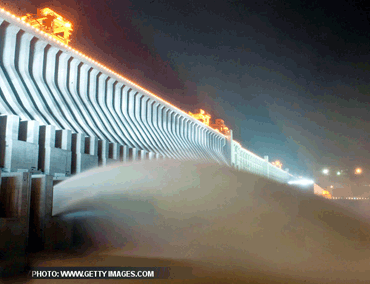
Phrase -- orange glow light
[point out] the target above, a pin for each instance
(201, 116)
(277, 164)
(219, 126)
(50, 22)
(326, 194)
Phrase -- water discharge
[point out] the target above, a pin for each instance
(224, 225)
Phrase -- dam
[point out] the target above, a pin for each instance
(62, 113)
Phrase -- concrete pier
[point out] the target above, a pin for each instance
(19, 144)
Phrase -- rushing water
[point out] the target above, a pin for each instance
(229, 226)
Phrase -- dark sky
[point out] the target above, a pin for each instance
(289, 77)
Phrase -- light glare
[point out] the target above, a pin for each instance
(301, 182)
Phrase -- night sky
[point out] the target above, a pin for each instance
(289, 77)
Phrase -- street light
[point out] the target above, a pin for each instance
(338, 173)
(358, 171)
(325, 171)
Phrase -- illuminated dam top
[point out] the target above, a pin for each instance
(52, 27)
(36, 28)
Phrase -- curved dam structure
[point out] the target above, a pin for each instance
(62, 113)
(67, 101)
(46, 81)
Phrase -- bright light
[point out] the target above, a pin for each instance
(338, 173)
(331, 186)
(301, 182)
(358, 171)
(201, 116)
(326, 194)
(325, 171)
(277, 164)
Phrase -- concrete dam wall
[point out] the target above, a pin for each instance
(62, 113)
(67, 102)
(42, 80)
